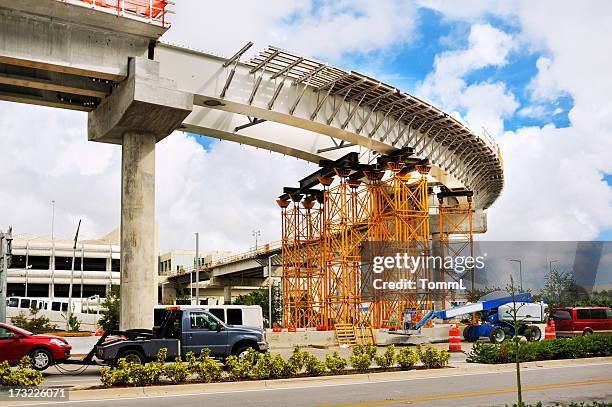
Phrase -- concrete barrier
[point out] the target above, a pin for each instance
(328, 338)
(89, 322)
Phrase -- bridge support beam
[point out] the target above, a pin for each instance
(142, 110)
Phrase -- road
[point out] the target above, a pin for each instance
(581, 382)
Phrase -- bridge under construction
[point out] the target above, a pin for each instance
(394, 168)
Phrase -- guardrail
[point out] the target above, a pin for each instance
(266, 248)
(149, 11)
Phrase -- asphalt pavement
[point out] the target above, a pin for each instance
(549, 383)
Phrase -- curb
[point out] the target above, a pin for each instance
(210, 388)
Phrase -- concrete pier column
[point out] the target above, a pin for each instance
(227, 294)
(138, 230)
(141, 110)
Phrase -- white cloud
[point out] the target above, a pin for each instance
(329, 30)
(554, 189)
(224, 193)
(486, 104)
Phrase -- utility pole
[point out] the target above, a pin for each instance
(520, 263)
(6, 240)
(256, 233)
(52, 259)
(76, 238)
(270, 290)
(197, 265)
(27, 266)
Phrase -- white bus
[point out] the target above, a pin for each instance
(250, 315)
(57, 304)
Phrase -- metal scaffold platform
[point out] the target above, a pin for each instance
(347, 209)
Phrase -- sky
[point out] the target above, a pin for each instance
(535, 75)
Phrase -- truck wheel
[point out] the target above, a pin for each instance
(242, 350)
(133, 356)
(41, 359)
(468, 334)
(533, 333)
(497, 335)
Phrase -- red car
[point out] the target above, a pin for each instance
(45, 350)
(572, 321)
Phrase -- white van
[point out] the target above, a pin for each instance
(250, 315)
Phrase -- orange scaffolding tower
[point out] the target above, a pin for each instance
(387, 205)
(301, 261)
(456, 237)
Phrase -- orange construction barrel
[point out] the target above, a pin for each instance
(454, 341)
(549, 331)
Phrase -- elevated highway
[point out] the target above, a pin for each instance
(106, 58)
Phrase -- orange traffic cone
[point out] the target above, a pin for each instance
(549, 331)
(454, 341)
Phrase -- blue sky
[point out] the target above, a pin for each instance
(515, 42)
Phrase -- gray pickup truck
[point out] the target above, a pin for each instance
(181, 331)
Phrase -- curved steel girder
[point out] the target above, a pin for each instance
(302, 129)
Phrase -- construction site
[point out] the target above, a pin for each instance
(333, 214)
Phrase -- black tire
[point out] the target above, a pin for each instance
(132, 355)
(41, 359)
(533, 333)
(587, 332)
(467, 334)
(497, 335)
(239, 351)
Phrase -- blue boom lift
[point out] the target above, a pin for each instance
(496, 323)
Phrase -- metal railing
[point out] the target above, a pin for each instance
(149, 11)
(266, 248)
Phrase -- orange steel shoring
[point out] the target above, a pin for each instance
(456, 237)
(301, 254)
(323, 271)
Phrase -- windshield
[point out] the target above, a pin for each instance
(21, 330)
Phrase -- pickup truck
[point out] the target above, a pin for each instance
(181, 331)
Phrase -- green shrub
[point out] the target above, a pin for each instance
(296, 360)
(362, 356)
(34, 324)
(314, 366)
(406, 358)
(115, 377)
(387, 359)
(241, 368)
(23, 376)
(270, 366)
(206, 368)
(432, 358)
(335, 363)
(560, 348)
(177, 372)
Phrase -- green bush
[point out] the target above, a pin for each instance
(270, 367)
(34, 324)
(177, 372)
(387, 359)
(406, 358)
(23, 376)
(205, 367)
(314, 366)
(335, 363)
(432, 358)
(550, 349)
(362, 357)
(241, 368)
(297, 359)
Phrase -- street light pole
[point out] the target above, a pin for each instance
(270, 290)
(550, 265)
(520, 272)
(197, 265)
(52, 260)
(256, 233)
(76, 238)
